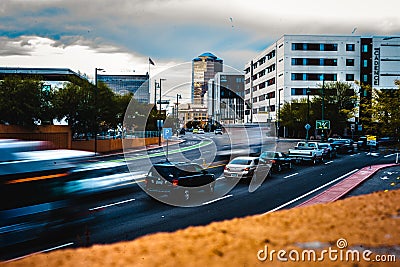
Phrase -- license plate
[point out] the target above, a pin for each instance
(234, 175)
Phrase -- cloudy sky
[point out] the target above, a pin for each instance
(120, 35)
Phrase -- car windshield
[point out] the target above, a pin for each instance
(268, 155)
(241, 161)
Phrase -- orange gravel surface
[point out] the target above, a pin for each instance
(367, 225)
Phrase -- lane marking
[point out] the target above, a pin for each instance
(41, 251)
(112, 204)
(309, 193)
(215, 200)
(329, 162)
(389, 155)
(291, 175)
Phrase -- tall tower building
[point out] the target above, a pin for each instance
(204, 68)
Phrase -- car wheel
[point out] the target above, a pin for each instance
(279, 168)
(314, 161)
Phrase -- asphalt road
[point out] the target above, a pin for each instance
(131, 213)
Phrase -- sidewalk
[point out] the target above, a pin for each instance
(345, 186)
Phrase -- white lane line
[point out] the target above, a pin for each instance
(41, 251)
(112, 204)
(215, 200)
(312, 191)
(329, 162)
(291, 175)
(390, 155)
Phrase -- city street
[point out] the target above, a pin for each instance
(128, 212)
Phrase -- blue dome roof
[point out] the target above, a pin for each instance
(208, 54)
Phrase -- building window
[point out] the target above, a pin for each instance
(254, 99)
(349, 77)
(247, 80)
(261, 73)
(261, 61)
(350, 47)
(365, 63)
(271, 81)
(261, 109)
(299, 91)
(364, 48)
(314, 47)
(247, 91)
(365, 78)
(349, 62)
(261, 85)
(272, 108)
(297, 76)
(261, 98)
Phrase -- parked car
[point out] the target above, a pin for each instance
(278, 160)
(241, 167)
(200, 131)
(178, 179)
(195, 131)
(218, 131)
(329, 152)
(343, 146)
(363, 144)
(307, 151)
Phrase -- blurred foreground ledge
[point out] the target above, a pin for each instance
(368, 222)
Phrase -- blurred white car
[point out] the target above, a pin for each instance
(201, 131)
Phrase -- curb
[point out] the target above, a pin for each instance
(343, 187)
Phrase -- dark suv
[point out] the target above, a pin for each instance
(178, 179)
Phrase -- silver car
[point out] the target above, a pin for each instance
(241, 167)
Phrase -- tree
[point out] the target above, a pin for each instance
(22, 101)
(339, 102)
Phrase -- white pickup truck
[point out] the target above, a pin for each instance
(307, 151)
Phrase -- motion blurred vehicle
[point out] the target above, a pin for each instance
(195, 131)
(328, 151)
(241, 168)
(343, 146)
(34, 199)
(278, 160)
(218, 131)
(178, 179)
(200, 131)
(182, 131)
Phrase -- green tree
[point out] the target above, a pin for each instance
(22, 101)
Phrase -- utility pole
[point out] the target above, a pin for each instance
(251, 91)
(159, 112)
(323, 106)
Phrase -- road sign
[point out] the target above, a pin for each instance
(323, 124)
(167, 133)
(371, 140)
(307, 126)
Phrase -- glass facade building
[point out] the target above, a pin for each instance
(204, 68)
(123, 84)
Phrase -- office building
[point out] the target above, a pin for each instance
(295, 63)
(225, 98)
(204, 68)
(125, 83)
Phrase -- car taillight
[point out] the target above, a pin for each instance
(273, 161)
(226, 168)
(175, 182)
(246, 169)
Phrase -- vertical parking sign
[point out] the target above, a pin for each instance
(167, 133)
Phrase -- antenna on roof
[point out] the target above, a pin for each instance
(354, 30)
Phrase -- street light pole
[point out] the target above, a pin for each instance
(308, 113)
(323, 107)
(95, 109)
(159, 112)
(178, 96)
(279, 110)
